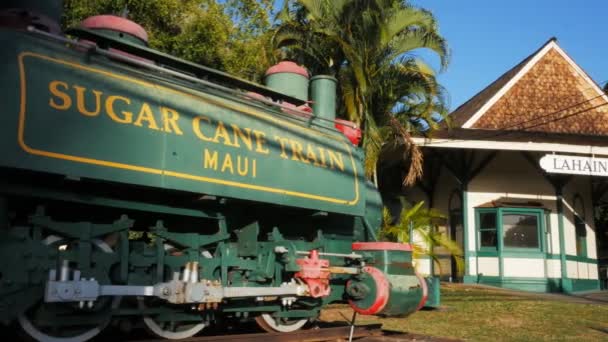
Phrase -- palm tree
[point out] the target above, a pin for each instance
(418, 225)
(368, 45)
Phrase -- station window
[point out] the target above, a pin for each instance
(580, 228)
(510, 229)
(488, 234)
(581, 236)
(520, 230)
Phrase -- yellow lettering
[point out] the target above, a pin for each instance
(145, 114)
(210, 160)
(321, 158)
(127, 116)
(296, 152)
(335, 157)
(80, 101)
(245, 137)
(283, 142)
(196, 126)
(254, 168)
(170, 118)
(310, 154)
(245, 169)
(54, 89)
(227, 164)
(221, 132)
(260, 140)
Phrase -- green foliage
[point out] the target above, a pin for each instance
(422, 223)
(228, 35)
(370, 46)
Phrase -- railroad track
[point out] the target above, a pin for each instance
(362, 333)
(325, 333)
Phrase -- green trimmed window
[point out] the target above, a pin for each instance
(581, 236)
(510, 229)
(580, 229)
(488, 232)
(520, 230)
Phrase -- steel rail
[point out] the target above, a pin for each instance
(361, 333)
(310, 335)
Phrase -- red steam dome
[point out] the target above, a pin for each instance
(117, 24)
(287, 67)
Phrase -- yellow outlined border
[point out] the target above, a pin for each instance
(235, 107)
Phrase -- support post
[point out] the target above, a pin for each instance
(411, 233)
(465, 227)
(562, 242)
(463, 175)
(433, 166)
(352, 327)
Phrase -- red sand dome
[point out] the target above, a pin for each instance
(114, 23)
(287, 67)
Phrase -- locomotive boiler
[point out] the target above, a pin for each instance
(138, 187)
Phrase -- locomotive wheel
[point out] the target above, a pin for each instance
(172, 330)
(34, 321)
(270, 324)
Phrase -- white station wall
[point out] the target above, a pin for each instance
(510, 175)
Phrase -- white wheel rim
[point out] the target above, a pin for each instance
(29, 328)
(32, 331)
(172, 335)
(153, 326)
(272, 323)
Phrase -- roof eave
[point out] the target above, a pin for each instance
(510, 146)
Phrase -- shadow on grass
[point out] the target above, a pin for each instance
(590, 299)
(600, 329)
(474, 298)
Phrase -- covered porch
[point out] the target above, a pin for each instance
(521, 224)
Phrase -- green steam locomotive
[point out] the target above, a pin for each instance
(137, 186)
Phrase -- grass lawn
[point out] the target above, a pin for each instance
(485, 314)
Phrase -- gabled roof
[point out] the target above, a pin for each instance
(463, 113)
(546, 92)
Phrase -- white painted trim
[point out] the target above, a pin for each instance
(511, 146)
(471, 121)
(516, 195)
(551, 45)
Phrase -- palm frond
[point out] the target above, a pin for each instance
(369, 46)
(422, 222)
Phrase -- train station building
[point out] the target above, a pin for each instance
(521, 175)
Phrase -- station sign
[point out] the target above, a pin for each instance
(574, 165)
